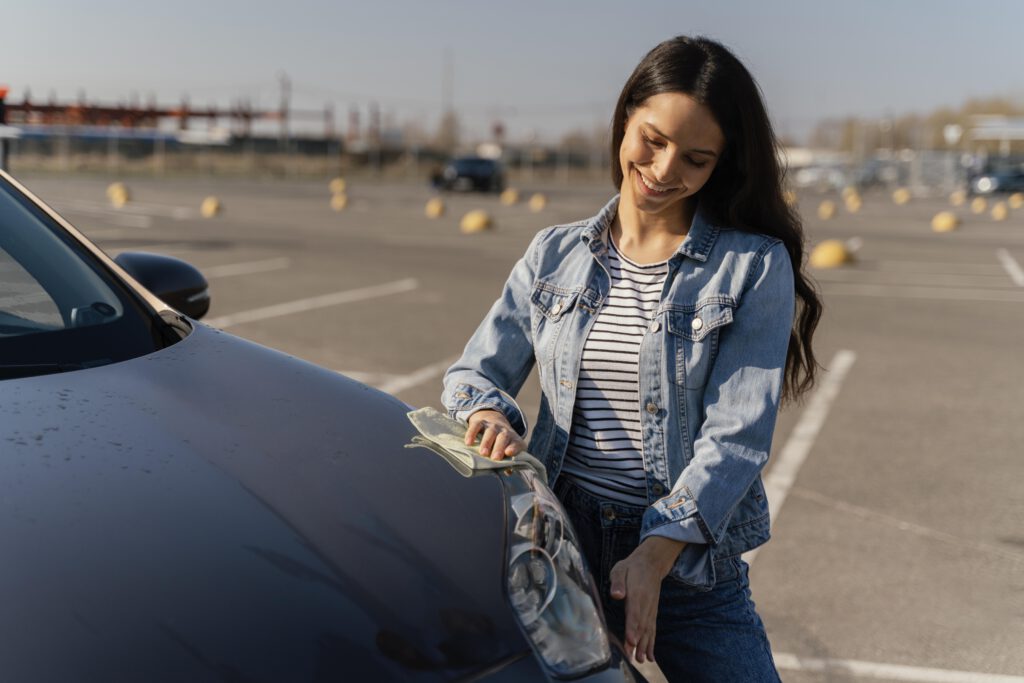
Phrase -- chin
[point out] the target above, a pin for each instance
(658, 205)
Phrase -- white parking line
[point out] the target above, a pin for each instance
(312, 303)
(785, 661)
(425, 374)
(392, 384)
(782, 476)
(135, 208)
(109, 215)
(889, 672)
(373, 379)
(248, 268)
(1011, 266)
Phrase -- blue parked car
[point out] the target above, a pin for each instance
(477, 174)
(180, 504)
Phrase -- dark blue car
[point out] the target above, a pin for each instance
(179, 504)
(471, 174)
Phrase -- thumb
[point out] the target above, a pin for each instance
(618, 580)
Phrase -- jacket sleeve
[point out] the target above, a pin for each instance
(741, 403)
(499, 356)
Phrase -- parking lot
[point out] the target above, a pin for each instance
(898, 549)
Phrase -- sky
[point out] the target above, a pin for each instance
(542, 68)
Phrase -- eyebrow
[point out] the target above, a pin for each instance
(657, 132)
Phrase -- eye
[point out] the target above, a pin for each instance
(695, 163)
(649, 141)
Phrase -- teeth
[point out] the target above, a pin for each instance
(651, 186)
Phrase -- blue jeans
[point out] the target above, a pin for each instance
(714, 636)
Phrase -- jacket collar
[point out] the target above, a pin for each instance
(697, 243)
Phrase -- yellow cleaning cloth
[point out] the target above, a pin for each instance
(447, 438)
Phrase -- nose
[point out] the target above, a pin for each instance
(664, 168)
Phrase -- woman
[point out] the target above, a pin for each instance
(666, 329)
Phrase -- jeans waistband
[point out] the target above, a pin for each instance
(591, 507)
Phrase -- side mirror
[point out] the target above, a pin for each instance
(176, 282)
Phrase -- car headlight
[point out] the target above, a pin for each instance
(548, 585)
(986, 184)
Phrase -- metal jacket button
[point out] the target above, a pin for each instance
(697, 324)
(609, 514)
(658, 489)
(556, 309)
(656, 326)
(651, 408)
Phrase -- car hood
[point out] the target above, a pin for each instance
(220, 511)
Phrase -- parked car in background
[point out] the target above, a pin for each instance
(478, 174)
(822, 178)
(1002, 179)
(880, 173)
(180, 504)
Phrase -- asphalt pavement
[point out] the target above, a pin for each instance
(898, 549)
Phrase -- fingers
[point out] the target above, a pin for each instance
(497, 438)
(514, 445)
(487, 441)
(479, 421)
(640, 634)
(641, 593)
(472, 429)
(633, 640)
(644, 643)
(501, 442)
(618, 581)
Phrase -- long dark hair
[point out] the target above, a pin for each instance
(745, 189)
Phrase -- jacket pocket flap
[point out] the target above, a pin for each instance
(553, 302)
(695, 322)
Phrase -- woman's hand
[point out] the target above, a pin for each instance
(498, 439)
(637, 580)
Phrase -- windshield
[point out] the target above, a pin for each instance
(1004, 165)
(59, 309)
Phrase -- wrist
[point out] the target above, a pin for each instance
(487, 414)
(662, 552)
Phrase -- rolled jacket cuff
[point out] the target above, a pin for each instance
(688, 531)
(678, 506)
(467, 399)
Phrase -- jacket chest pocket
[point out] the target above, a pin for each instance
(551, 307)
(693, 336)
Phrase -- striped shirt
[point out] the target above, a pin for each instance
(605, 452)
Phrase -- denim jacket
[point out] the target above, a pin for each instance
(710, 378)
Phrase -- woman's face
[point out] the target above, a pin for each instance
(669, 149)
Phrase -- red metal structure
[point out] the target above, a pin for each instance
(82, 113)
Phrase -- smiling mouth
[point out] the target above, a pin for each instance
(652, 189)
